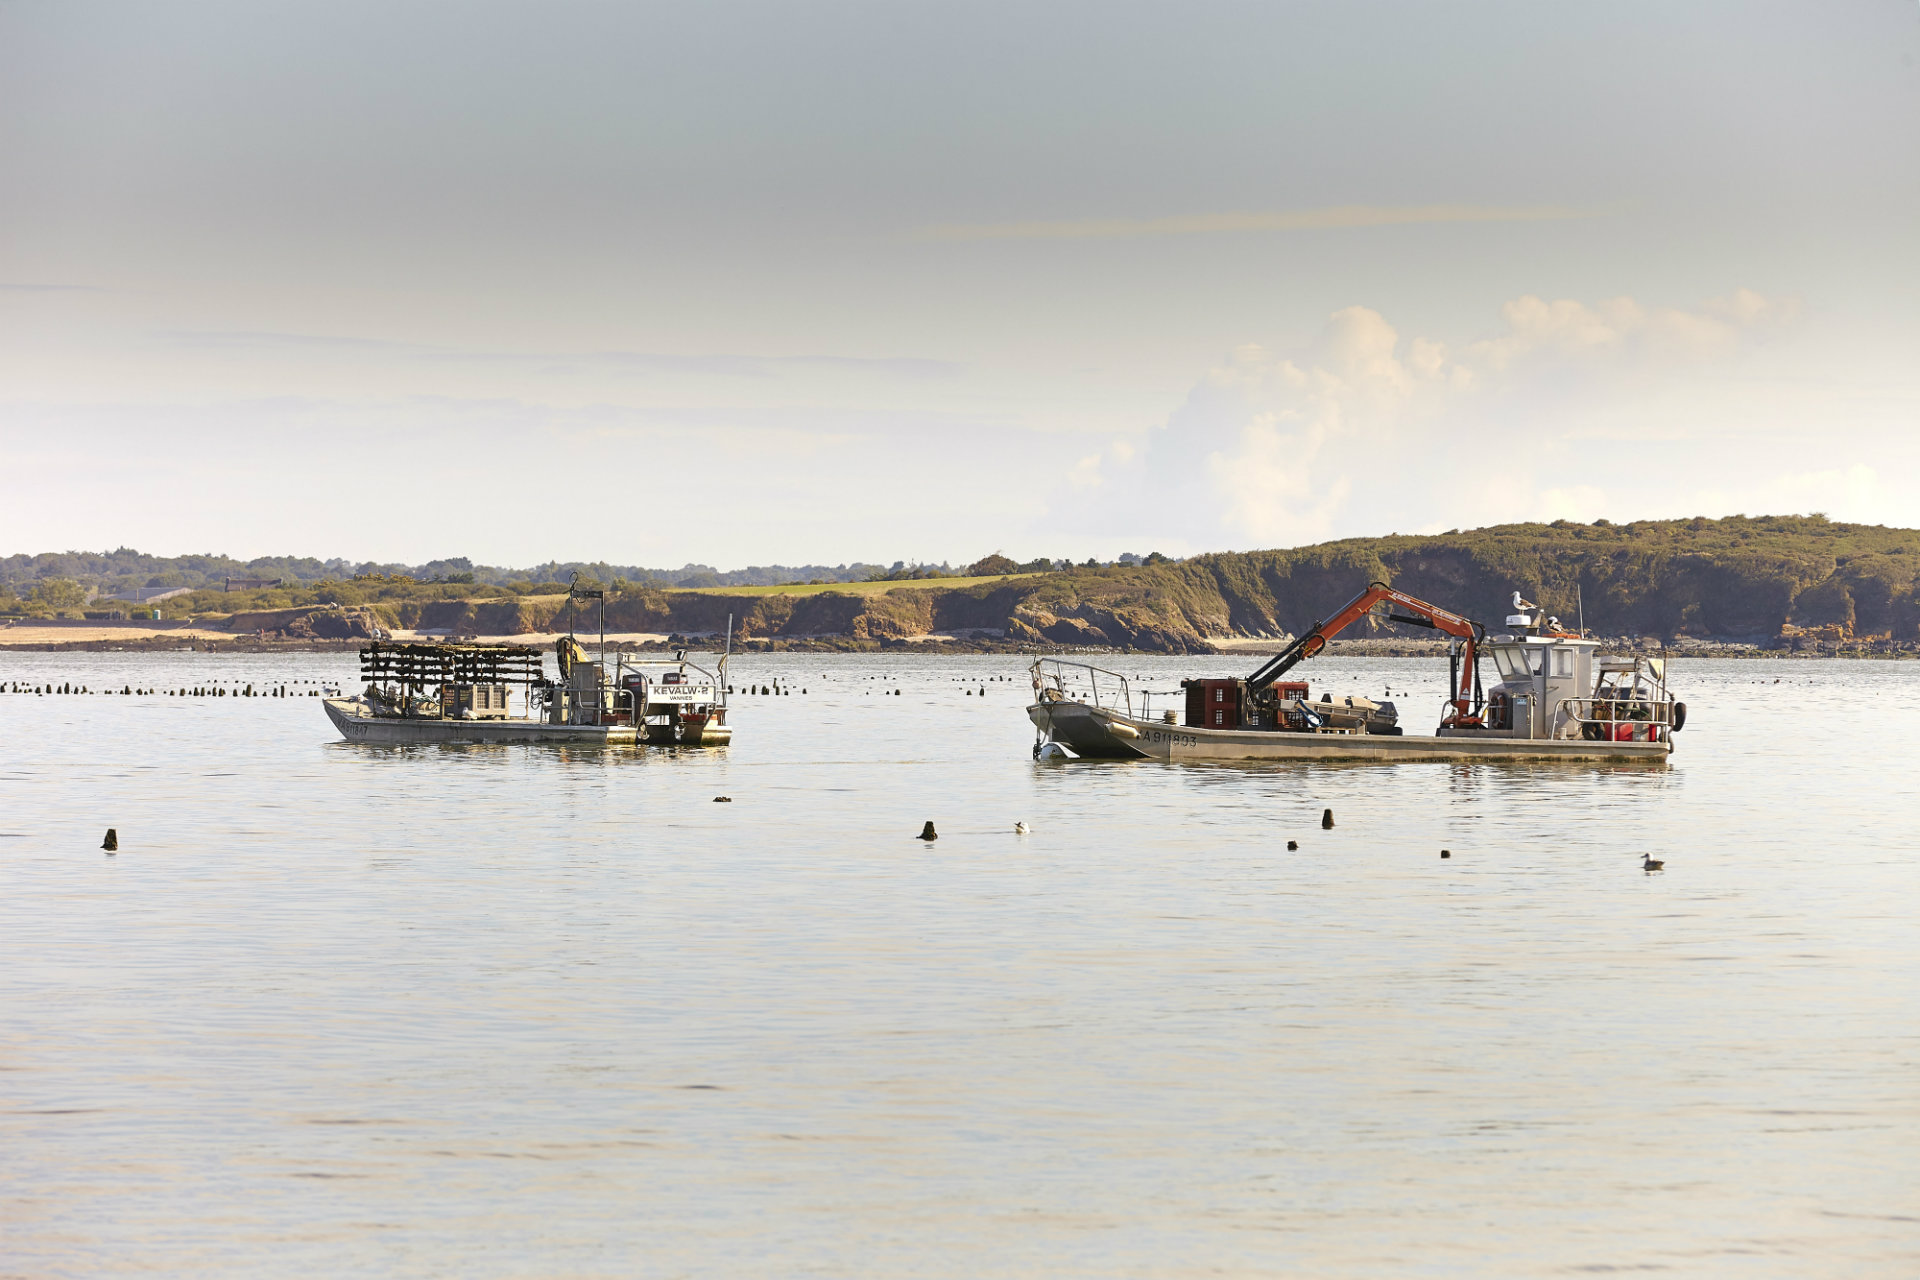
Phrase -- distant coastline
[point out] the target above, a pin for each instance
(1739, 586)
(109, 637)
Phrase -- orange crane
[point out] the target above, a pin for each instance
(1467, 697)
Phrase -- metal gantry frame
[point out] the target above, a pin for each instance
(406, 672)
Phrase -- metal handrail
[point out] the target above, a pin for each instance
(624, 661)
(1659, 710)
(1056, 682)
(1659, 714)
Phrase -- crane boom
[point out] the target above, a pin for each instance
(1465, 689)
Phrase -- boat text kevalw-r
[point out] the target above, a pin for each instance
(1556, 696)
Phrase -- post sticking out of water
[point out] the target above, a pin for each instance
(1326, 819)
(112, 843)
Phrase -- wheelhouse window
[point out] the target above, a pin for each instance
(1517, 662)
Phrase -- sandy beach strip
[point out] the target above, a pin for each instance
(36, 635)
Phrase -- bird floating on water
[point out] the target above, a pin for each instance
(1650, 863)
(928, 833)
(1019, 828)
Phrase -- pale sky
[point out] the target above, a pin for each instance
(759, 283)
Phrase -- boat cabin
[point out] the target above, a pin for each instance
(1555, 684)
(1540, 682)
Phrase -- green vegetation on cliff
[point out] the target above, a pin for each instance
(1736, 578)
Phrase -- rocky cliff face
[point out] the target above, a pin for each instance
(1738, 578)
(308, 623)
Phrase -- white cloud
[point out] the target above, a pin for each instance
(1622, 328)
(1582, 502)
(1570, 409)
(1746, 307)
(1266, 481)
(1855, 492)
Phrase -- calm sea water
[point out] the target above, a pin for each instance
(534, 1012)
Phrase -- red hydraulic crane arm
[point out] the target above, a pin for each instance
(1418, 613)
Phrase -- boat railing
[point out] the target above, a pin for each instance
(1057, 680)
(624, 662)
(1609, 714)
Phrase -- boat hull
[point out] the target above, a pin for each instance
(1102, 734)
(356, 723)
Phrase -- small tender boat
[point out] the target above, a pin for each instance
(452, 693)
(1557, 697)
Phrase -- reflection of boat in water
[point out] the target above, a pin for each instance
(1557, 698)
(462, 694)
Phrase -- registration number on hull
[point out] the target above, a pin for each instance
(1170, 738)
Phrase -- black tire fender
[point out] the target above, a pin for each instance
(1679, 716)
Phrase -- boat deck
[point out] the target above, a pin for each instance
(351, 717)
(1096, 732)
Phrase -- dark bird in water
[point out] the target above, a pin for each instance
(112, 843)
(723, 799)
(1326, 820)
(928, 833)
(1650, 863)
(1446, 853)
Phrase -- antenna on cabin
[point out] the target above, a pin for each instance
(577, 592)
(1580, 603)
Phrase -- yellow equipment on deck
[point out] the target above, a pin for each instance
(570, 652)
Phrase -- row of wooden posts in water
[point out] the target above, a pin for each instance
(197, 691)
(281, 691)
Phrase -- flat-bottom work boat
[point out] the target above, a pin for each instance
(1557, 697)
(452, 693)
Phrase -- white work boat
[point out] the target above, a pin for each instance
(1557, 697)
(450, 693)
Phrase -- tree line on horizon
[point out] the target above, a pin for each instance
(1734, 577)
(67, 580)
